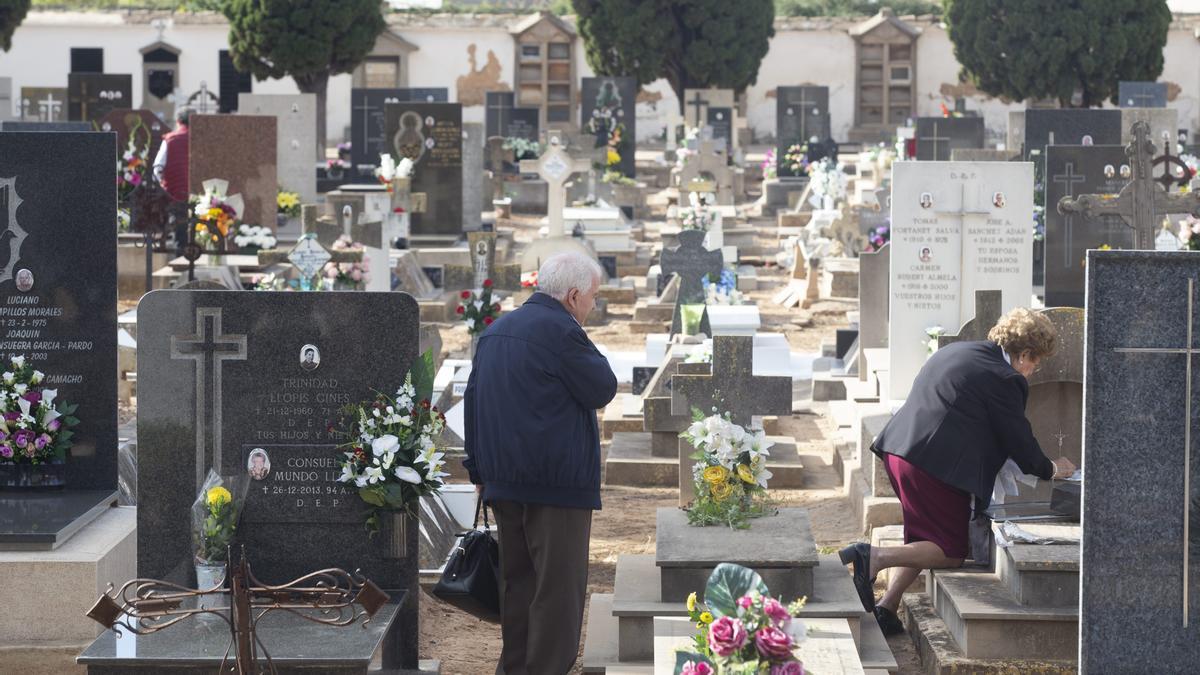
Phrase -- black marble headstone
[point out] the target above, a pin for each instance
(367, 122)
(691, 261)
(606, 103)
(937, 136)
(1070, 127)
(436, 274)
(523, 123)
(431, 135)
(801, 114)
(21, 125)
(721, 122)
(1140, 569)
(57, 202)
(1142, 94)
(1072, 170)
(641, 378)
(609, 263)
(91, 96)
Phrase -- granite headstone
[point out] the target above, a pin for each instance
(240, 149)
(7, 109)
(1140, 568)
(431, 134)
(472, 176)
(296, 138)
(367, 124)
(610, 106)
(938, 136)
(801, 115)
(44, 104)
(1142, 94)
(144, 125)
(691, 261)
(22, 125)
(1072, 170)
(91, 96)
(1069, 127)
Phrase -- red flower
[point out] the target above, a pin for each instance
(496, 307)
(465, 295)
(461, 309)
(487, 320)
(398, 209)
(487, 283)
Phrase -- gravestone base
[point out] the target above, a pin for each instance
(529, 197)
(45, 520)
(630, 462)
(617, 419)
(779, 547)
(44, 623)
(777, 191)
(440, 309)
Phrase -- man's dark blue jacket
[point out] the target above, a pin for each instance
(531, 401)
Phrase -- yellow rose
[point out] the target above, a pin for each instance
(721, 491)
(714, 475)
(613, 157)
(218, 496)
(706, 618)
(746, 474)
(691, 602)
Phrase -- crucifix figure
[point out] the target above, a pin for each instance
(209, 348)
(555, 166)
(1142, 202)
(732, 386)
(1188, 351)
(1068, 180)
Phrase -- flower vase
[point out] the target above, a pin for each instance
(209, 574)
(828, 203)
(394, 527)
(473, 346)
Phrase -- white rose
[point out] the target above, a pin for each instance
(18, 361)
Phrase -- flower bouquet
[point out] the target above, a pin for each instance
(741, 629)
(336, 168)
(35, 437)
(769, 170)
(288, 204)
(131, 167)
(730, 473)
(795, 160)
(478, 309)
(1189, 233)
(878, 237)
(828, 183)
(216, 215)
(215, 515)
(529, 280)
(698, 216)
(523, 148)
(389, 170)
(723, 291)
(251, 239)
(347, 276)
(391, 454)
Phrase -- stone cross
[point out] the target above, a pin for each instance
(1188, 351)
(209, 348)
(1142, 202)
(987, 313)
(708, 159)
(690, 261)
(732, 386)
(555, 166)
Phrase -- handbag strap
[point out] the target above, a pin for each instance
(480, 505)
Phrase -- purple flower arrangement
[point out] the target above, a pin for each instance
(36, 427)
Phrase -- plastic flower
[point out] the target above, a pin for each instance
(408, 475)
(789, 668)
(745, 474)
(693, 668)
(726, 635)
(722, 491)
(773, 643)
(776, 611)
(691, 602)
(384, 445)
(706, 618)
(217, 496)
(715, 475)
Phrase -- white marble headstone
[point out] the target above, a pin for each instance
(957, 227)
(296, 138)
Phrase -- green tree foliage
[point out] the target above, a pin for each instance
(692, 43)
(310, 40)
(1075, 51)
(12, 13)
(855, 7)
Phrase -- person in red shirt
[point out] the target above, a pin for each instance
(171, 170)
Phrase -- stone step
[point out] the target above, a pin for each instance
(829, 387)
(843, 414)
(630, 463)
(615, 420)
(1041, 575)
(873, 649)
(940, 654)
(600, 643)
(893, 535)
(988, 623)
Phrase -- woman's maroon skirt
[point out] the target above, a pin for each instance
(933, 511)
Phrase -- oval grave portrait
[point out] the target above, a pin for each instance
(258, 465)
(310, 357)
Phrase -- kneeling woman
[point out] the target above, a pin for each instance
(964, 418)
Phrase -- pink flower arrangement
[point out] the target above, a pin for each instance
(726, 635)
(35, 428)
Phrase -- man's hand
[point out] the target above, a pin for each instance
(1064, 468)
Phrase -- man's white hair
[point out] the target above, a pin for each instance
(564, 271)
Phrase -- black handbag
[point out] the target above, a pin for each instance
(471, 580)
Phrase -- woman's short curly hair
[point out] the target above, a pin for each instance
(1024, 330)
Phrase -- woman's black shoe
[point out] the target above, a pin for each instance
(860, 556)
(888, 622)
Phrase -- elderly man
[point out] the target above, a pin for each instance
(533, 449)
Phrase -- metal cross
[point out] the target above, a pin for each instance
(698, 103)
(209, 348)
(1060, 436)
(935, 138)
(1142, 202)
(1068, 181)
(1188, 351)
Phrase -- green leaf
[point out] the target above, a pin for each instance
(422, 376)
(394, 494)
(371, 496)
(727, 583)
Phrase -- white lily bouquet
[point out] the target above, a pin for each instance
(391, 454)
(828, 179)
(730, 473)
(389, 169)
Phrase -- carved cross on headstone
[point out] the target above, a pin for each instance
(209, 348)
(690, 261)
(555, 166)
(732, 386)
(699, 106)
(1142, 203)
(935, 138)
(806, 110)
(1068, 179)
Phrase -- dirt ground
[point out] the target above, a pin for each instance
(626, 525)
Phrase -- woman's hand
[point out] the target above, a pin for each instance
(1063, 468)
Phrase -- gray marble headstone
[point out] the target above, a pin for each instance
(65, 321)
(296, 138)
(91, 96)
(1073, 170)
(1140, 568)
(731, 385)
(1142, 94)
(691, 261)
(367, 121)
(472, 176)
(1069, 127)
(224, 374)
(938, 136)
(873, 298)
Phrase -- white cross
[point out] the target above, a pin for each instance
(555, 166)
